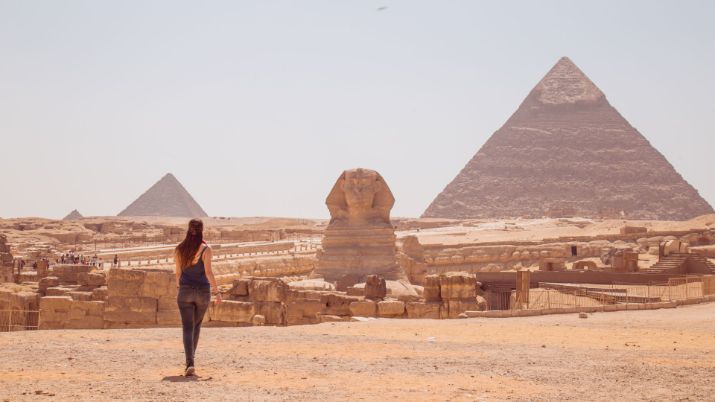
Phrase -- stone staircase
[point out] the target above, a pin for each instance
(679, 263)
(671, 264)
(697, 258)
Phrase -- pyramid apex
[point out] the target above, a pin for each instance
(566, 83)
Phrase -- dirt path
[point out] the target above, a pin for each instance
(639, 355)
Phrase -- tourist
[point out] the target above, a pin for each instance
(116, 261)
(194, 279)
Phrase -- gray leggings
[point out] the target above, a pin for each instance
(193, 303)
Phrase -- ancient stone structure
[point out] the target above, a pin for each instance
(360, 240)
(167, 197)
(567, 152)
(73, 216)
(6, 267)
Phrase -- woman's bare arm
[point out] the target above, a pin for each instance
(178, 267)
(208, 254)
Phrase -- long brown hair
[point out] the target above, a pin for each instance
(186, 250)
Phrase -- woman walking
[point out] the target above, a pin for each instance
(194, 279)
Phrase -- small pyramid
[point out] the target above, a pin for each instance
(567, 152)
(167, 197)
(73, 216)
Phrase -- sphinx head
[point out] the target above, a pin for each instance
(360, 195)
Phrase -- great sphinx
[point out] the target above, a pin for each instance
(360, 239)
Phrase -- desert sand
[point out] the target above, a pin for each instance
(640, 355)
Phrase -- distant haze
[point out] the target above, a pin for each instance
(257, 107)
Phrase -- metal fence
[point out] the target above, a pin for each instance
(19, 320)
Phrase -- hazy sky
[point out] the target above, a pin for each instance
(257, 106)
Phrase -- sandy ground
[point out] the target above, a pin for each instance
(639, 355)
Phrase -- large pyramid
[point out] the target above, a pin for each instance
(567, 152)
(165, 198)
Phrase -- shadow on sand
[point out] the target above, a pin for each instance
(181, 378)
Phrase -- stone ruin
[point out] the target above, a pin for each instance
(360, 239)
(6, 268)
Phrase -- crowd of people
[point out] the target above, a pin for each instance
(72, 258)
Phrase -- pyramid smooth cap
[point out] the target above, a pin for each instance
(565, 83)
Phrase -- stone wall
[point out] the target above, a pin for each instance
(6, 267)
(139, 298)
(491, 258)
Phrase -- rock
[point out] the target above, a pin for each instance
(312, 284)
(423, 310)
(125, 282)
(329, 318)
(582, 315)
(337, 304)
(267, 290)
(458, 286)
(390, 308)
(232, 311)
(258, 320)
(363, 308)
(432, 289)
(375, 287)
(303, 311)
(134, 310)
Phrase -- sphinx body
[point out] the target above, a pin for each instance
(360, 240)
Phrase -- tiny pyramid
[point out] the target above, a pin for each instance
(73, 216)
(567, 152)
(167, 197)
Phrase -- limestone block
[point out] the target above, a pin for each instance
(273, 312)
(432, 290)
(423, 310)
(67, 273)
(54, 311)
(91, 279)
(258, 320)
(100, 294)
(125, 282)
(47, 282)
(82, 296)
(169, 317)
(267, 290)
(364, 308)
(390, 308)
(130, 309)
(240, 287)
(458, 286)
(57, 291)
(303, 311)
(232, 311)
(375, 287)
(158, 284)
(167, 303)
(337, 304)
(457, 307)
(86, 322)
